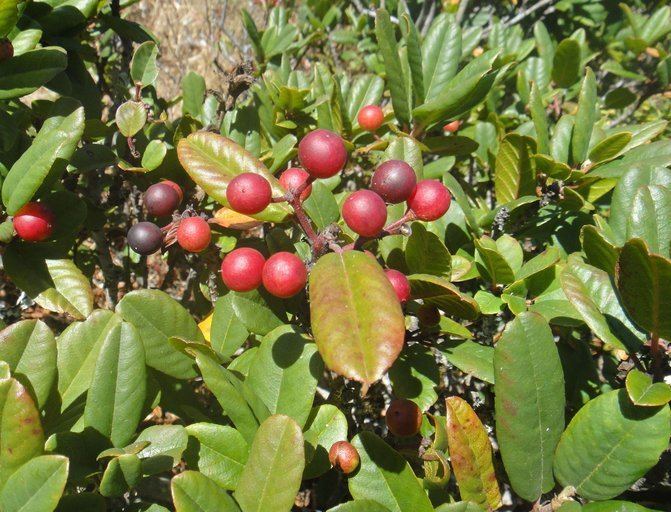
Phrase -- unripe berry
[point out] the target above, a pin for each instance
(34, 222)
(365, 213)
(452, 126)
(322, 153)
(161, 199)
(403, 418)
(370, 118)
(394, 181)
(249, 193)
(344, 457)
(430, 200)
(176, 188)
(242, 269)
(194, 234)
(284, 275)
(293, 178)
(6, 50)
(145, 238)
(400, 284)
(428, 315)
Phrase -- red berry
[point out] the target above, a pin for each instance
(365, 213)
(161, 199)
(242, 269)
(284, 275)
(344, 457)
(34, 222)
(176, 187)
(430, 200)
(6, 49)
(403, 418)
(293, 178)
(394, 181)
(249, 193)
(452, 126)
(400, 284)
(145, 238)
(370, 118)
(193, 234)
(322, 153)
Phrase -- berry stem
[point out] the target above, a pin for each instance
(316, 241)
(391, 229)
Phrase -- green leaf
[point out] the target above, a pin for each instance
(20, 428)
(491, 263)
(357, 320)
(212, 161)
(9, 15)
(143, 68)
(272, 475)
(441, 53)
(154, 154)
(227, 333)
(592, 293)
(385, 477)
(650, 218)
(78, 349)
(325, 426)
(365, 90)
(29, 348)
(359, 506)
(471, 455)
(194, 492)
(131, 117)
(444, 295)
(285, 371)
(166, 443)
(612, 506)
(529, 403)
(470, 357)
(585, 118)
(647, 158)
(425, 253)
(643, 392)
(25, 73)
(609, 148)
(157, 316)
(121, 474)
(514, 173)
(37, 485)
(322, 206)
(115, 399)
(408, 150)
(609, 444)
(193, 93)
(415, 375)
(386, 38)
(643, 280)
(566, 63)
(56, 285)
(461, 506)
(414, 52)
(218, 451)
(560, 145)
(539, 118)
(259, 312)
(46, 157)
(598, 249)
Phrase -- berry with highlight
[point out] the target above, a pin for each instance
(284, 275)
(430, 200)
(322, 153)
(394, 181)
(242, 269)
(194, 234)
(249, 193)
(365, 213)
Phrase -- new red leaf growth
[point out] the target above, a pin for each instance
(161, 199)
(322, 153)
(452, 126)
(344, 456)
(394, 181)
(34, 222)
(371, 118)
(400, 284)
(365, 213)
(249, 193)
(194, 234)
(145, 238)
(284, 275)
(293, 178)
(403, 418)
(430, 200)
(242, 269)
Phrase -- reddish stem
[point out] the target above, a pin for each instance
(391, 229)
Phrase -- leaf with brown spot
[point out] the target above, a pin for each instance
(357, 320)
(471, 455)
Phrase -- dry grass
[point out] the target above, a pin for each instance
(205, 36)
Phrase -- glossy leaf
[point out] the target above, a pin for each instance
(194, 492)
(131, 117)
(539, 118)
(385, 477)
(143, 69)
(9, 15)
(441, 53)
(29, 348)
(514, 174)
(415, 375)
(609, 444)
(29, 71)
(425, 253)
(121, 474)
(444, 295)
(321, 206)
(357, 320)
(359, 506)
(471, 357)
(566, 63)
(157, 316)
(471, 455)
(37, 485)
(228, 332)
(408, 150)
(365, 90)
(643, 392)
(165, 445)
(610, 147)
(584, 118)
(598, 249)
(212, 161)
(650, 218)
(115, 399)
(325, 426)
(272, 475)
(529, 403)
